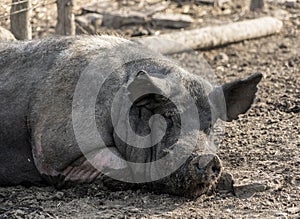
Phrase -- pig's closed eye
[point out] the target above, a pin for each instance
(169, 113)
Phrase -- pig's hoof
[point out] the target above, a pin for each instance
(225, 183)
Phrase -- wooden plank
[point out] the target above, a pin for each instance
(256, 5)
(20, 17)
(65, 17)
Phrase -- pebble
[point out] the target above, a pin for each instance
(247, 191)
(293, 210)
(225, 183)
(280, 214)
(58, 195)
(221, 57)
(283, 46)
(19, 212)
(134, 210)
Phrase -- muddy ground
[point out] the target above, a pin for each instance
(263, 146)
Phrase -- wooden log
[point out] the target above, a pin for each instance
(212, 36)
(20, 16)
(65, 17)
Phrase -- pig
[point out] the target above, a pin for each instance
(59, 94)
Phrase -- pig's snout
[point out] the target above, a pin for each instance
(208, 165)
(194, 178)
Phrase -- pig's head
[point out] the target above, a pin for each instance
(188, 107)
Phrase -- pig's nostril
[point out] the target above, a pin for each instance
(216, 170)
(199, 170)
(208, 164)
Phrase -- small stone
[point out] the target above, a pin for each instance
(247, 191)
(225, 183)
(293, 210)
(221, 57)
(133, 210)
(280, 214)
(19, 213)
(145, 199)
(59, 195)
(283, 46)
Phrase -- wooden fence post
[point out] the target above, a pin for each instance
(256, 5)
(20, 16)
(65, 17)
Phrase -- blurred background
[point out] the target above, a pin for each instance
(133, 17)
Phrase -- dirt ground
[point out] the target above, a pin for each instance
(263, 146)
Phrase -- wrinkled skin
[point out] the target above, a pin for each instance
(37, 141)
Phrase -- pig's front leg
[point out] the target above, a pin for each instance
(91, 167)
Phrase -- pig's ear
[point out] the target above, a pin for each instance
(237, 96)
(143, 84)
